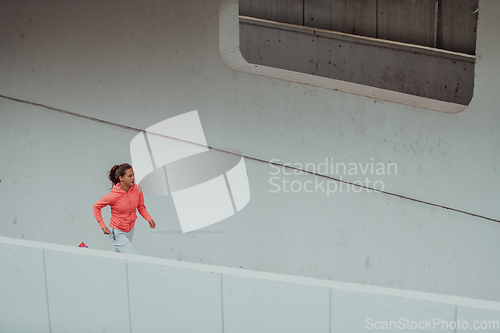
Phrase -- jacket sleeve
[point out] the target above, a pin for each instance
(141, 207)
(103, 202)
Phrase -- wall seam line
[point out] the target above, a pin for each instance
(222, 299)
(128, 297)
(260, 160)
(436, 21)
(456, 317)
(46, 288)
(304, 12)
(331, 309)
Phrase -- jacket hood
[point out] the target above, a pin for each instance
(116, 188)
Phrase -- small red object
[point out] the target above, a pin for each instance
(83, 245)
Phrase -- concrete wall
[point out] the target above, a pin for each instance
(136, 63)
(54, 288)
(408, 69)
(445, 24)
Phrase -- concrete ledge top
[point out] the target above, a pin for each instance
(360, 39)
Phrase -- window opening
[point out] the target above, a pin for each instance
(423, 48)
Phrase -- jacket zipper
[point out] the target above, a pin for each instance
(129, 209)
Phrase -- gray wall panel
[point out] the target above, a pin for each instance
(409, 21)
(278, 48)
(87, 293)
(457, 26)
(357, 17)
(284, 11)
(173, 299)
(23, 295)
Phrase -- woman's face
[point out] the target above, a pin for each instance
(128, 178)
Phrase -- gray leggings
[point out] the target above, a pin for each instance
(122, 241)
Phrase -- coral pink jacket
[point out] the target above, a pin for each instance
(123, 207)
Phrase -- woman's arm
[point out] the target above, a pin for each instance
(142, 210)
(103, 202)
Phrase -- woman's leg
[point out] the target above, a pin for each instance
(122, 241)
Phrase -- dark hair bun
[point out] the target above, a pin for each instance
(118, 171)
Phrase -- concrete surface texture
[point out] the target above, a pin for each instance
(114, 68)
(445, 24)
(393, 66)
(56, 288)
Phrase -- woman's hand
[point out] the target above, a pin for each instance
(105, 230)
(152, 224)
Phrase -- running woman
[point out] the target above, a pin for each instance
(124, 199)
